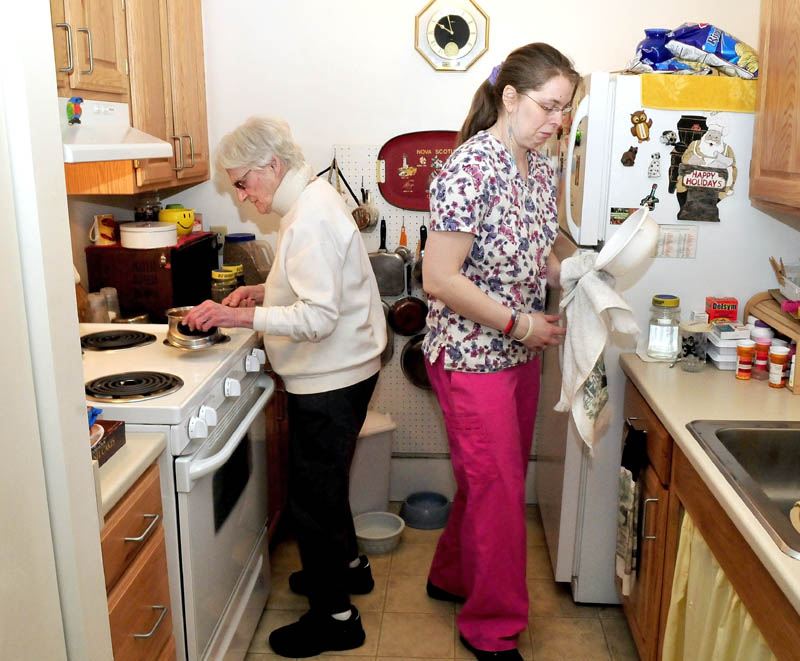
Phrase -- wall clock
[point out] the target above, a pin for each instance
(451, 34)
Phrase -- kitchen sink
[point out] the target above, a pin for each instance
(761, 461)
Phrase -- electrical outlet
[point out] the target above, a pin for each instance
(221, 231)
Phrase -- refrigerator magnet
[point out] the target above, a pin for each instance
(641, 126)
(654, 169)
(629, 157)
(650, 200)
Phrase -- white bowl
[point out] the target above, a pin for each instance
(378, 532)
(632, 243)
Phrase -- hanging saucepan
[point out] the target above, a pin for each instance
(412, 362)
(423, 237)
(407, 315)
(388, 351)
(388, 267)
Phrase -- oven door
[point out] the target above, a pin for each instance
(222, 519)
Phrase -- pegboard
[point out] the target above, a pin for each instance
(420, 426)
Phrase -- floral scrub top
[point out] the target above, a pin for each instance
(479, 191)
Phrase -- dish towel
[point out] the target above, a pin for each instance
(593, 307)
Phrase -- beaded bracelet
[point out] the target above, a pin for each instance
(512, 322)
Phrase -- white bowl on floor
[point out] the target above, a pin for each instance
(378, 532)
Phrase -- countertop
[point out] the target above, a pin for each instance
(678, 397)
(127, 465)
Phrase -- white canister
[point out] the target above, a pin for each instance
(148, 234)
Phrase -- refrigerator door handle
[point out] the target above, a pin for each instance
(581, 112)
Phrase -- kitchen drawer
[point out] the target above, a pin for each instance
(138, 605)
(137, 516)
(659, 443)
(169, 653)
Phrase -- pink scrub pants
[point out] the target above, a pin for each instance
(482, 552)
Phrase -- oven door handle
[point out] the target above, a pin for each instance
(186, 474)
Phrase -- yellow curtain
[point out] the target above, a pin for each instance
(706, 619)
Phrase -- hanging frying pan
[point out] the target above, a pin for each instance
(412, 362)
(408, 163)
(388, 351)
(407, 315)
(388, 267)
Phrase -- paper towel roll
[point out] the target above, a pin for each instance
(794, 515)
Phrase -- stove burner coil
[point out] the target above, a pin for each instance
(132, 386)
(115, 339)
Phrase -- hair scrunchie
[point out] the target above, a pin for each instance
(495, 73)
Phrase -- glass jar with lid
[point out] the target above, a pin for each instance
(222, 284)
(663, 337)
(237, 270)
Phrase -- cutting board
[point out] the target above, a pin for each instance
(408, 163)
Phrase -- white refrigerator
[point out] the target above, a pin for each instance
(691, 165)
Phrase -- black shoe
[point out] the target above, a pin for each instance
(315, 633)
(483, 655)
(442, 595)
(359, 579)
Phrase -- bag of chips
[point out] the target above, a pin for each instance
(704, 43)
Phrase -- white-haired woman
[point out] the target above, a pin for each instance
(324, 330)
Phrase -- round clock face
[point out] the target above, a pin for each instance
(452, 34)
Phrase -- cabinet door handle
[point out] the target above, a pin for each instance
(152, 631)
(91, 52)
(191, 149)
(147, 530)
(283, 404)
(645, 536)
(70, 61)
(178, 150)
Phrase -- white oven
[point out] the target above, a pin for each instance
(213, 474)
(222, 518)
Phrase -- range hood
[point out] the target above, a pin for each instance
(104, 133)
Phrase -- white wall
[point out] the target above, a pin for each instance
(348, 73)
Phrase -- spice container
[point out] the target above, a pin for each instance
(222, 284)
(663, 340)
(760, 365)
(745, 355)
(778, 357)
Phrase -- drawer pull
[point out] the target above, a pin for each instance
(644, 518)
(147, 530)
(152, 631)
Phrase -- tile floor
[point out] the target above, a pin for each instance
(402, 623)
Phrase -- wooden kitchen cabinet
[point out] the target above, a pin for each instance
(277, 455)
(775, 165)
(167, 100)
(91, 52)
(135, 566)
(643, 607)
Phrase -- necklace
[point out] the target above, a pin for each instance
(497, 132)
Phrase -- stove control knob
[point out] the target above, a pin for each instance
(208, 414)
(197, 428)
(260, 354)
(232, 387)
(251, 364)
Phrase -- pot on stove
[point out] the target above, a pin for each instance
(180, 336)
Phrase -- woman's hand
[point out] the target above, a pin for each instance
(247, 296)
(209, 314)
(545, 332)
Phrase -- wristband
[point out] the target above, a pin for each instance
(512, 322)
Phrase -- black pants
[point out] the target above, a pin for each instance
(324, 428)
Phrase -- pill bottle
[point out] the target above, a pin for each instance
(663, 338)
(777, 362)
(745, 355)
(761, 363)
(222, 284)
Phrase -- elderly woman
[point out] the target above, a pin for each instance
(324, 331)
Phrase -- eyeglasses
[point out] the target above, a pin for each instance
(551, 111)
(239, 183)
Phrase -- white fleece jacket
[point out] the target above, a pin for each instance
(322, 318)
